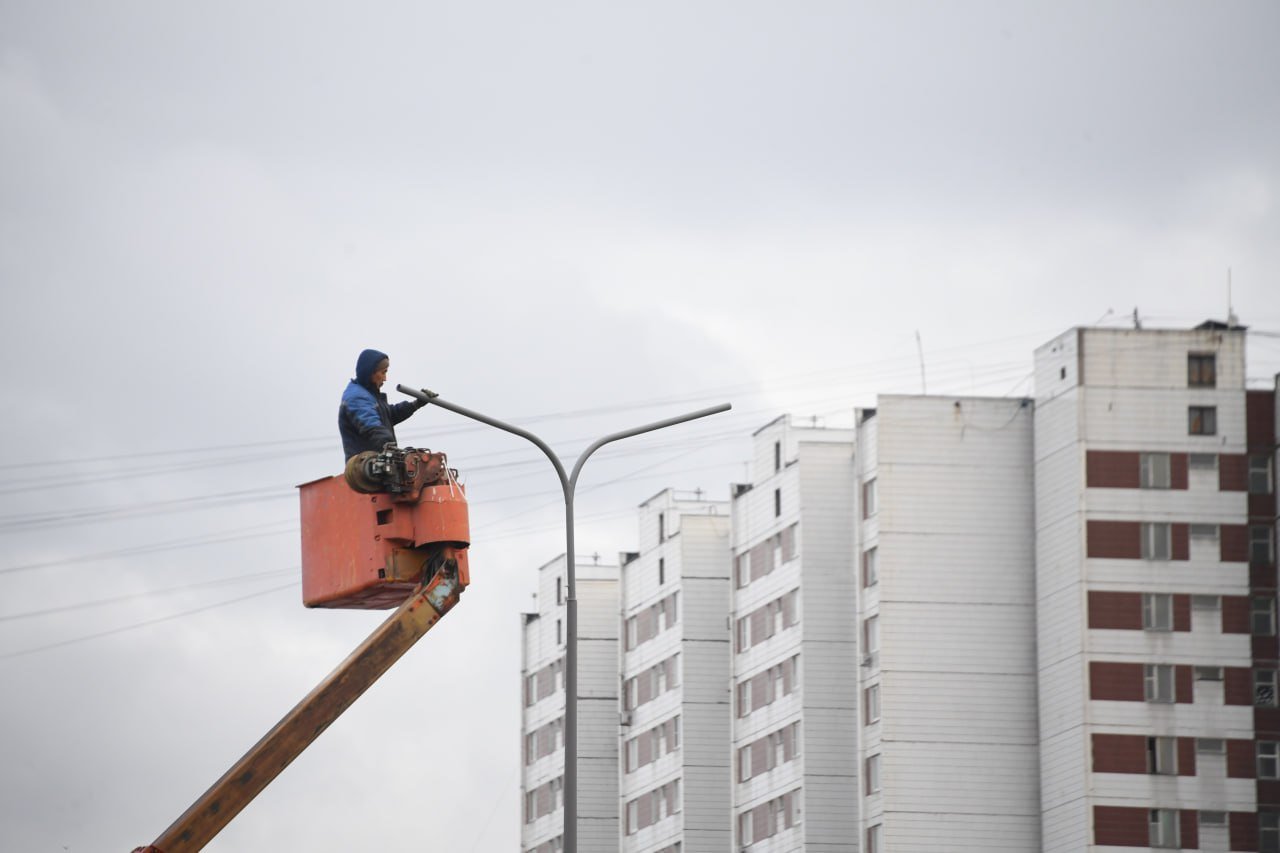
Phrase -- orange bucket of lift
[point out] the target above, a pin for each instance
(370, 551)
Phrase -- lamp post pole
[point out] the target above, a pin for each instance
(568, 485)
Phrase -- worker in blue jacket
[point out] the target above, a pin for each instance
(366, 420)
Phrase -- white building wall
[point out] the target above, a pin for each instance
(957, 739)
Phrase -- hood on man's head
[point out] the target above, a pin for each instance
(366, 364)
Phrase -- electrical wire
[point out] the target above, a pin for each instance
(145, 624)
(103, 602)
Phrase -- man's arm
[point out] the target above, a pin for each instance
(363, 413)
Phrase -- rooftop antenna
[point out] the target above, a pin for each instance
(1232, 320)
(924, 388)
(1137, 322)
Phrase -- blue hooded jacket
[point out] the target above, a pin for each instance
(365, 419)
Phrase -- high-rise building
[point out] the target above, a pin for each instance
(948, 748)
(543, 700)
(675, 664)
(1155, 588)
(795, 636)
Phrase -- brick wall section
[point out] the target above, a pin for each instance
(1111, 469)
(1178, 470)
(1182, 612)
(1116, 681)
(1186, 756)
(1235, 614)
(1233, 542)
(1268, 792)
(1233, 472)
(1180, 533)
(1266, 723)
(1265, 650)
(1262, 507)
(1119, 753)
(1244, 830)
(1260, 419)
(1188, 830)
(1121, 826)
(1184, 685)
(1237, 685)
(1240, 759)
(1114, 539)
(1122, 610)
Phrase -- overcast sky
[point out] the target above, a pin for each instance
(579, 216)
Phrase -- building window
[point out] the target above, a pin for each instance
(1157, 682)
(1213, 819)
(1269, 832)
(1262, 616)
(662, 571)
(870, 640)
(1264, 688)
(1268, 759)
(1260, 475)
(1211, 746)
(1206, 602)
(662, 527)
(871, 701)
(559, 591)
(777, 456)
(1164, 828)
(1202, 420)
(1162, 756)
(1207, 673)
(873, 839)
(1157, 612)
(1260, 550)
(777, 502)
(1202, 370)
(1157, 541)
(1205, 532)
(869, 498)
(745, 837)
(559, 634)
(1202, 461)
(872, 778)
(1153, 471)
(870, 569)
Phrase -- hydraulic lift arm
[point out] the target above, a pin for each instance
(311, 716)
(295, 732)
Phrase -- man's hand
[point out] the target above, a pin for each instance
(429, 394)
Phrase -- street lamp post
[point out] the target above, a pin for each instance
(567, 484)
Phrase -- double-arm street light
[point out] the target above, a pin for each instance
(568, 483)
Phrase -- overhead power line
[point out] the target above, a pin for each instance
(135, 626)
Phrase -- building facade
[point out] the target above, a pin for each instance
(1155, 606)
(543, 703)
(675, 662)
(795, 644)
(948, 740)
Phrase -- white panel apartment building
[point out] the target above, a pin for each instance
(1156, 584)
(675, 710)
(794, 663)
(542, 720)
(947, 675)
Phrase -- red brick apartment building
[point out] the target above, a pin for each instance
(1156, 593)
